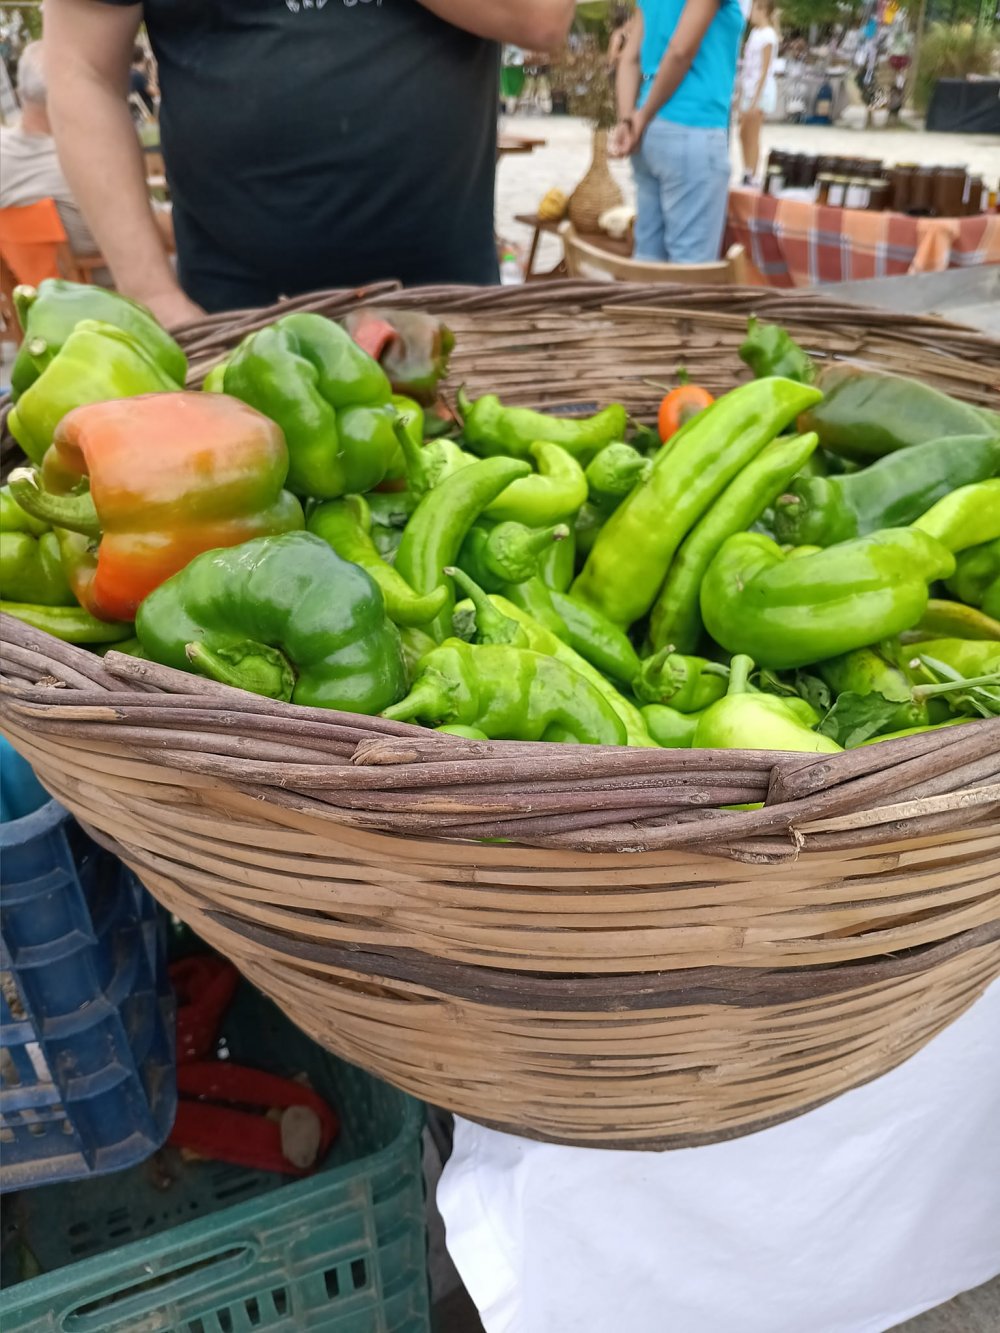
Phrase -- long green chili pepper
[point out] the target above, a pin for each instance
(434, 535)
(633, 551)
(614, 474)
(72, 624)
(670, 727)
(552, 494)
(558, 564)
(967, 517)
(507, 552)
(490, 428)
(687, 684)
(427, 465)
(676, 617)
(952, 620)
(345, 525)
(592, 635)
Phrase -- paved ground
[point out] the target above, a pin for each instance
(522, 179)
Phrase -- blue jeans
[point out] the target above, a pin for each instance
(682, 185)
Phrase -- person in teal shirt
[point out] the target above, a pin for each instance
(674, 89)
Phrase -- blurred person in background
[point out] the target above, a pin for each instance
(138, 80)
(674, 89)
(758, 86)
(29, 164)
(306, 145)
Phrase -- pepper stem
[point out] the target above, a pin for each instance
(24, 298)
(463, 402)
(739, 674)
(77, 513)
(950, 686)
(492, 626)
(429, 699)
(413, 456)
(250, 666)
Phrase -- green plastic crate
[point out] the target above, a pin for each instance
(225, 1250)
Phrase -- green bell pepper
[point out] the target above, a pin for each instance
(864, 414)
(345, 525)
(50, 312)
(495, 555)
(634, 549)
(490, 428)
(31, 568)
(976, 580)
(281, 616)
(687, 684)
(889, 494)
(327, 395)
(97, 362)
(791, 612)
(771, 350)
(508, 693)
(753, 721)
(551, 495)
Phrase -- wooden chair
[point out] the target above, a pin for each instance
(586, 260)
(34, 246)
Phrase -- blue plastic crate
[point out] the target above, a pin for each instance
(86, 1013)
(185, 1246)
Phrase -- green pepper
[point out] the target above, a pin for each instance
(438, 526)
(967, 517)
(968, 657)
(72, 624)
(345, 525)
(789, 613)
(391, 509)
(917, 731)
(865, 414)
(558, 564)
(977, 577)
(687, 684)
(551, 495)
(633, 551)
(411, 346)
(327, 395)
(215, 380)
(508, 693)
(943, 619)
(97, 362)
(427, 465)
(467, 733)
(888, 494)
(614, 474)
(589, 522)
(593, 636)
(31, 570)
(15, 519)
(49, 313)
(490, 428)
(669, 727)
(866, 671)
(281, 616)
(676, 618)
(498, 620)
(753, 721)
(495, 555)
(771, 350)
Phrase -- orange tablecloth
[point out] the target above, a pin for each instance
(793, 244)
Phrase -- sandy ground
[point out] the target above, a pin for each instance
(522, 178)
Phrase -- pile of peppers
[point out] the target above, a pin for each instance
(808, 562)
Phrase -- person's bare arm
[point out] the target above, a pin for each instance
(628, 77)
(537, 25)
(765, 65)
(88, 47)
(692, 25)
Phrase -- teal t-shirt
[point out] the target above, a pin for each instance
(704, 96)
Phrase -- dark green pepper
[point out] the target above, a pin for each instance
(589, 522)
(31, 568)
(633, 551)
(771, 350)
(281, 616)
(745, 720)
(506, 552)
(508, 693)
(558, 564)
(865, 414)
(669, 727)
(49, 313)
(687, 684)
(327, 395)
(345, 525)
(676, 617)
(490, 428)
(72, 624)
(791, 612)
(889, 494)
(976, 580)
(614, 474)
(437, 529)
(552, 494)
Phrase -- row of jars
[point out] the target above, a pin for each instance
(865, 183)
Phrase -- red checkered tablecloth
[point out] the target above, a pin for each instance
(789, 243)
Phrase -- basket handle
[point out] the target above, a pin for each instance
(158, 1288)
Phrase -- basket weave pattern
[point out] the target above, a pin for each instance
(636, 966)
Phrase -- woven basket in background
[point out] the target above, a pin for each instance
(633, 965)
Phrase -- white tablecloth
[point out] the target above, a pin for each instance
(849, 1219)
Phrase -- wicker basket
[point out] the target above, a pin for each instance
(634, 966)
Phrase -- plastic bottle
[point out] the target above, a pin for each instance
(510, 269)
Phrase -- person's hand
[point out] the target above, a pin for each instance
(171, 307)
(627, 135)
